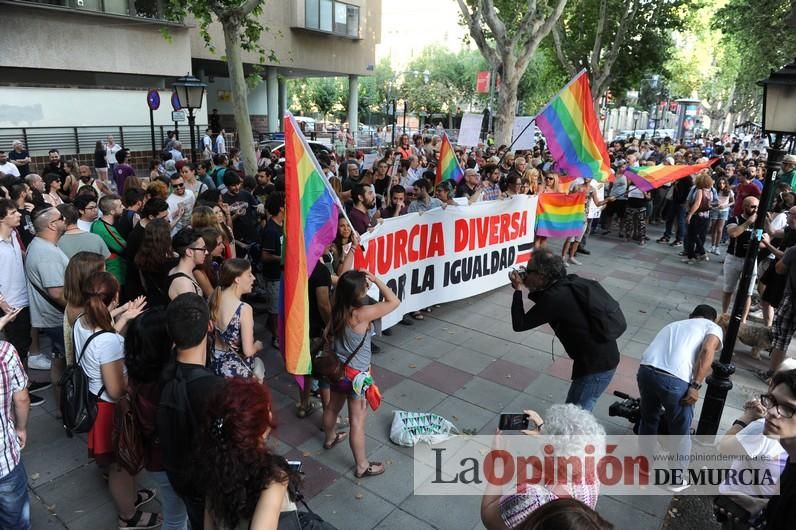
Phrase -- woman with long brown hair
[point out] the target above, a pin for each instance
(99, 351)
(698, 217)
(235, 348)
(154, 260)
(215, 217)
(206, 274)
(350, 331)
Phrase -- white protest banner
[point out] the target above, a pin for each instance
(523, 140)
(449, 254)
(370, 159)
(470, 130)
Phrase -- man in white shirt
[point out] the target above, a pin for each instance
(86, 206)
(671, 373)
(181, 202)
(6, 166)
(111, 148)
(220, 144)
(176, 151)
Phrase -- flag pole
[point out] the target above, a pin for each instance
(508, 149)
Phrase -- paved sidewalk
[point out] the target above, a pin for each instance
(463, 362)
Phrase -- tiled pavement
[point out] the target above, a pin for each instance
(463, 362)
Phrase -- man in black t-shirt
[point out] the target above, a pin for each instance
(245, 210)
(20, 157)
(271, 257)
(188, 322)
(469, 185)
(739, 228)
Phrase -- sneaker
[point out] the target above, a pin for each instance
(677, 244)
(663, 239)
(35, 400)
(39, 362)
(687, 261)
(37, 387)
(574, 261)
(703, 257)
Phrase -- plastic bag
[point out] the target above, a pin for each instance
(409, 428)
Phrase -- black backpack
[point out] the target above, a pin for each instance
(606, 320)
(177, 427)
(78, 404)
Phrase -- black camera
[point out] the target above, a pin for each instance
(630, 409)
(521, 272)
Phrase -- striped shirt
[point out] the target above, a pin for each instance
(12, 380)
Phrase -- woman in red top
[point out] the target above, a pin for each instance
(404, 147)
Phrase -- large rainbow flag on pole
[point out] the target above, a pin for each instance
(311, 212)
(648, 178)
(448, 166)
(560, 214)
(573, 132)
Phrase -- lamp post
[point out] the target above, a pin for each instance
(636, 116)
(779, 119)
(190, 91)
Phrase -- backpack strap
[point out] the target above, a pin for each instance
(356, 350)
(85, 346)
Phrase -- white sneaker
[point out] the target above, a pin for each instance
(574, 261)
(39, 362)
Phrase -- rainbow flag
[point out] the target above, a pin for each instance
(311, 211)
(573, 132)
(560, 214)
(448, 166)
(648, 178)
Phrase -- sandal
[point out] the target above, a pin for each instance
(417, 315)
(764, 375)
(305, 412)
(143, 496)
(338, 437)
(374, 469)
(341, 422)
(140, 521)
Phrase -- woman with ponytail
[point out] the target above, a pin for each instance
(235, 348)
(99, 351)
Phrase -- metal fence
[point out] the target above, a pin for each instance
(83, 140)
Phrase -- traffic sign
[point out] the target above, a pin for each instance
(178, 115)
(153, 99)
(175, 101)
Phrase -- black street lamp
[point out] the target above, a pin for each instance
(190, 91)
(779, 119)
(636, 116)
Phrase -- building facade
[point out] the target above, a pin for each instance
(89, 63)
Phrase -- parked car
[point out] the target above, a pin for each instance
(316, 148)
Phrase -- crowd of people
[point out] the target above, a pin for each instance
(152, 285)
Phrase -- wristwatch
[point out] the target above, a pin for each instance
(695, 385)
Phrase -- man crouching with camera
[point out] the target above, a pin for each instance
(555, 303)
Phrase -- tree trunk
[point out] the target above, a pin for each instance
(507, 102)
(240, 92)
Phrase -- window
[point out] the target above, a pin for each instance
(330, 16)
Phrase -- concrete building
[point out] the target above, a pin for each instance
(78, 63)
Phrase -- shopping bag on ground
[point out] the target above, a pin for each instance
(409, 428)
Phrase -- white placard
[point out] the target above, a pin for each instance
(527, 140)
(470, 130)
(449, 254)
(370, 159)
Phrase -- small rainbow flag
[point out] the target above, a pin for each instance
(560, 214)
(648, 178)
(311, 211)
(573, 133)
(448, 166)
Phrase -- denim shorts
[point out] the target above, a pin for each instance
(719, 215)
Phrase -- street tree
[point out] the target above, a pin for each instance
(508, 33)
(242, 29)
(618, 42)
(327, 93)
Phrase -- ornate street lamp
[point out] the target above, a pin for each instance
(779, 119)
(190, 91)
(636, 116)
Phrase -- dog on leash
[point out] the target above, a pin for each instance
(756, 336)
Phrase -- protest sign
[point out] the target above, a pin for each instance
(449, 254)
(470, 130)
(526, 139)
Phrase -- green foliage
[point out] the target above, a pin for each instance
(756, 35)
(541, 81)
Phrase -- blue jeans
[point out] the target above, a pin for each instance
(660, 396)
(175, 517)
(584, 391)
(56, 336)
(676, 212)
(14, 502)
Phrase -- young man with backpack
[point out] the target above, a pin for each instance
(584, 317)
(186, 391)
